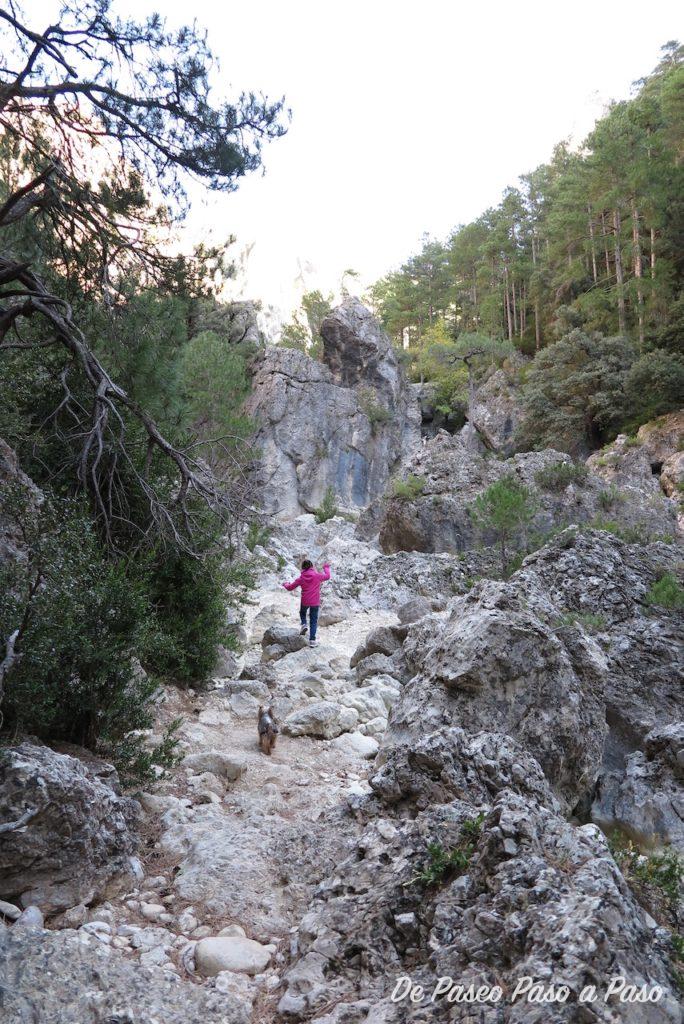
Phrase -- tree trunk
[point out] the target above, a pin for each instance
(619, 275)
(515, 310)
(537, 327)
(509, 320)
(605, 244)
(638, 272)
(653, 252)
(594, 268)
(523, 309)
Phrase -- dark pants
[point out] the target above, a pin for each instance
(312, 609)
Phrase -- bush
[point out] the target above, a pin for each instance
(630, 534)
(410, 488)
(609, 497)
(666, 592)
(574, 393)
(82, 620)
(328, 507)
(663, 871)
(654, 386)
(189, 595)
(586, 619)
(506, 509)
(375, 412)
(257, 535)
(442, 864)
(560, 475)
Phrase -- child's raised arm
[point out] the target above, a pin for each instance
(325, 575)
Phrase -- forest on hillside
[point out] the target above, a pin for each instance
(580, 266)
(597, 231)
(578, 270)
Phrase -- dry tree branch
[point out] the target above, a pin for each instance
(104, 429)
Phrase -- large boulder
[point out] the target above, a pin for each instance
(278, 641)
(496, 412)
(217, 762)
(529, 895)
(230, 953)
(555, 692)
(344, 423)
(323, 720)
(75, 834)
(494, 665)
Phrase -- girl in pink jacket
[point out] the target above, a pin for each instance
(310, 582)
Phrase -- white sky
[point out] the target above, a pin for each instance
(407, 117)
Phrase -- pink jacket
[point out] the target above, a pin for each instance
(310, 582)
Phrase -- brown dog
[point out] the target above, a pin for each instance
(268, 730)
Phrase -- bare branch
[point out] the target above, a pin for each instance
(14, 826)
(9, 660)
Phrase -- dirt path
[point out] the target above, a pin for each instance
(244, 854)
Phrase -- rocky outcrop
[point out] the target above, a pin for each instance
(343, 423)
(496, 412)
(74, 835)
(496, 665)
(524, 704)
(451, 475)
(13, 480)
(651, 463)
(58, 977)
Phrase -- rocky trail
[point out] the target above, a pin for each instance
(476, 778)
(234, 846)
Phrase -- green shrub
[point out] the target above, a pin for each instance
(662, 871)
(328, 507)
(610, 497)
(83, 620)
(666, 592)
(506, 509)
(586, 619)
(630, 534)
(410, 488)
(373, 409)
(137, 764)
(188, 596)
(257, 535)
(654, 385)
(445, 864)
(560, 475)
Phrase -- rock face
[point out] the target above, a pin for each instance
(652, 463)
(496, 412)
(75, 836)
(12, 546)
(517, 708)
(343, 423)
(439, 518)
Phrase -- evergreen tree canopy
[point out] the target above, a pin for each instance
(599, 230)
